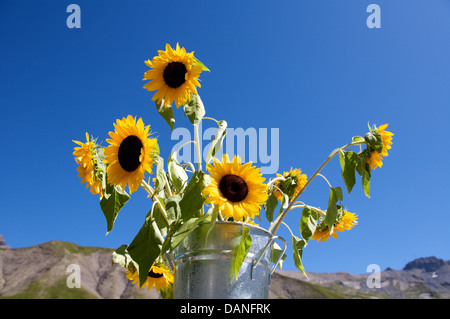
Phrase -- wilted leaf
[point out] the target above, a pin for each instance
(308, 222)
(194, 109)
(112, 202)
(241, 251)
(332, 211)
(166, 112)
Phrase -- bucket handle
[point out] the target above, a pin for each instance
(255, 263)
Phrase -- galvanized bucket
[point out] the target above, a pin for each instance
(203, 265)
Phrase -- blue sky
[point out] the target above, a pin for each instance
(312, 69)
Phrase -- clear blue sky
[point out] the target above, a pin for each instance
(313, 69)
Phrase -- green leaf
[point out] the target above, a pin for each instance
(366, 183)
(177, 174)
(146, 247)
(100, 166)
(332, 211)
(297, 250)
(216, 143)
(357, 139)
(349, 162)
(363, 170)
(308, 222)
(269, 206)
(185, 228)
(194, 109)
(287, 187)
(121, 256)
(193, 199)
(173, 209)
(112, 202)
(275, 255)
(284, 203)
(214, 216)
(158, 215)
(166, 112)
(159, 183)
(241, 251)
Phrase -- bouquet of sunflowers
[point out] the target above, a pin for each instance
(183, 195)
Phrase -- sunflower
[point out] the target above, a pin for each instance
(236, 188)
(130, 153)
(293, 182)
(159, 277)
(374, 158)
(346, 222)
(174, 75)
(86, 158)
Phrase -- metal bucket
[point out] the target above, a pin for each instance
(203, 267)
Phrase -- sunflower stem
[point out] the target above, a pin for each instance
(298, 206)
(168, 189)
(280, 178)
(210, 118)
(292, 234)
(326, 180)
(191, 166)
(321, 212)
(157, 202)
(150, 191)
(278, 188)
(274, 227)
(185, 145)
(197, 140)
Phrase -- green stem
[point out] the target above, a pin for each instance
(168, 189)
(199, 156)
(185, 145)
(191, 166)
(292, 234)
(276, 224)
(280, 178)
(198, 147)
(150, 191)
(210, 118)
(157, 202)
(326, 180)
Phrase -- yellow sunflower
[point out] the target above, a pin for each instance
(236, 188)
(174, 75)
(374, 159)
(130, 153)
(85, 157)
(159, 277)
(291, 185)
(346, 222)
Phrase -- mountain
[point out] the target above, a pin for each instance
(43, 271)
(423, 278)
(2, 242)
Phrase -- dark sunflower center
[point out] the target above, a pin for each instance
(154, 275)
(174, 74)
(129, 153)
(233, 187)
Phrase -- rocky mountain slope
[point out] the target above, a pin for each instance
(423, 278)
(42, 271)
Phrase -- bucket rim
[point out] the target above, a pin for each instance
(240, 224)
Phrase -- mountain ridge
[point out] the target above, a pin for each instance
(43, 271)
